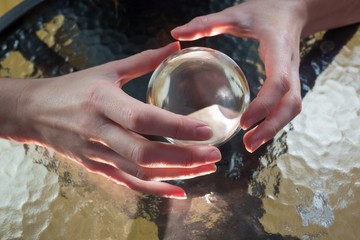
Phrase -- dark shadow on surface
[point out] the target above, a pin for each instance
(102, 32)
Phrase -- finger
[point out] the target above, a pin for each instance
(137, 65)
(153, 154)
(286, 110)
(150, 187)
(204, 26)
(279, 100)
(268, 97)
(279, 62)
(161, 174)
(103, 154)
(150, 120)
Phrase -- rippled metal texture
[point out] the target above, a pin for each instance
(302, 185)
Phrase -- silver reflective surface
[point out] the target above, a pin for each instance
(303, 185)
(205, 84)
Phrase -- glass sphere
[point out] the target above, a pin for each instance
(205, 84)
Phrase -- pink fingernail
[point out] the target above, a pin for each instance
(214, 156)
(255, 145)
(179, 195)
(247, 123)
(207, 169)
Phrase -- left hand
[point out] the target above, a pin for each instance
(277, 25)
(87, 117)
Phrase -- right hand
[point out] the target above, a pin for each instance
(277, 25)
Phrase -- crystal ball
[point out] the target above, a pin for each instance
(204, 84)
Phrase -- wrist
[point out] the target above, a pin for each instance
(328, 14)
(16, 95)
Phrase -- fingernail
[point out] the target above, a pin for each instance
(179, 195)
(214, 156)
(247, 123)
(207, 169)
(203, 132)
(173, 32)
(254, 145)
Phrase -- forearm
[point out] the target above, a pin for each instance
(11, 121)
(328, 14)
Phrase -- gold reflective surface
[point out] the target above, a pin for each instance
(309, 177)
(7, 5)
(319, 195)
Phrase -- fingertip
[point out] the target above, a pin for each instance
(214, 155)
(207, 169)
(203, 132)
(172, 47)
(244, 125)
(161, 189)
(180, 194)
(248, 149)
(247, 144)
(175, 32)
(175, 45)
(185, 33)
(247, 120)
(251, 143)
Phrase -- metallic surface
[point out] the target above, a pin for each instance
(302, 185)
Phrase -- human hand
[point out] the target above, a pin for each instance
(87, 117)
(277, 25)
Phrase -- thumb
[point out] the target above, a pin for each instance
(203, 26)
(139, 64)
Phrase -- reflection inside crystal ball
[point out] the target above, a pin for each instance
(205, 84)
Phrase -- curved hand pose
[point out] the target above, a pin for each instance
(87, 117)
(278, 25)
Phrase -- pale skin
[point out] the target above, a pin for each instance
(87, 117)
(278, 25)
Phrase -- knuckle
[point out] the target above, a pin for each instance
(137, 154)
(283, 84)
(284, 37)
(272, 128)
(147, 53)
(178, 127)
(202, 20)
(98, 131)
(92, 98)
(141, 174)
(201, 23)
(296, 103)
(135, 119)
(265, 105)
(81, 127)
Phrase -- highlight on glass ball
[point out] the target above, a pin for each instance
(205, 84)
